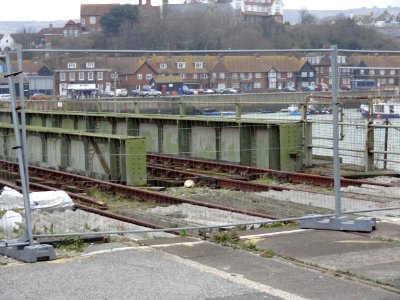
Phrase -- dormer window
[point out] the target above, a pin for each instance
(71, 65)
(90, 65)
(181, 65)
(198, 65)
(163, 66)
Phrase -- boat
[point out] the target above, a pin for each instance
(212, 112)
(380, 109)
(294, 110)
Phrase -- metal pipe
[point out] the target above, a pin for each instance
(19, 150)
(335, 131)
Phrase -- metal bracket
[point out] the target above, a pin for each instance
(362, 224)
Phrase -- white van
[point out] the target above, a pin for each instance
(5, 97)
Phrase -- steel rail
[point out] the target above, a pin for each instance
(123, 190)
(253, 172)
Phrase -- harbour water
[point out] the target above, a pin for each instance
(352, 137)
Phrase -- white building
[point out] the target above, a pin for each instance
(7, 42)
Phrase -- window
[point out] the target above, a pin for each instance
(392, 72)
(83, 22)
(92, 20)
(139, 76)
(257, 85)
(304, 74)
(250, 75)
(99, 75)
(311, 74)
(214, 75)
(195, 76)
(257, 75)
(382, 72)
(90, 76)
(149, 76)
(242, 75)
(90, 64)
(71, 65)
(289, 75)
(222, 75)
(198, 65)
(71, 76)
(62, 76)
(81, 76)
(204, 76)
(272, 74)
(234, 75)
(163, 66)
(183, 75)
(391, 80)
(371, 72)
(181, 65)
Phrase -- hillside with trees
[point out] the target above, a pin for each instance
(127, 28)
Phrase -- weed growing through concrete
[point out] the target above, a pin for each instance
(68, 245)
(231, 239)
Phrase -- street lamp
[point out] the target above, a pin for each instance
(115, 76)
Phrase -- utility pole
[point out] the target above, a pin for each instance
(115, 75)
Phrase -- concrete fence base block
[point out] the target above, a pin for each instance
(362, 224)
(32, 253)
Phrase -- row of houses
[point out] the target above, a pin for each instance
(383, 20)
(220, 13)
(95, 75)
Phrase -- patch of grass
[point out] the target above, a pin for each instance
(279, 224)
(231, 239)
(70, 245)
(183, 233)
(226, 238)
(116, 201)
(265, 180)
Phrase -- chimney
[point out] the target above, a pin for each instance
(140, 3)
(50, 25)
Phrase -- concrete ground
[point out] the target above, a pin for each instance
(309, 264)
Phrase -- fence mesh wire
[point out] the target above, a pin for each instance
(218, 124)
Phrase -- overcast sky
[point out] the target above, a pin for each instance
(50, 10)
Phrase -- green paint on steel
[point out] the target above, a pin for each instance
(291, 147)
(68, 123)
(135, 162)
(170, 139)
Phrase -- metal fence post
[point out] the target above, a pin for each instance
(338, 222)
(32, 252)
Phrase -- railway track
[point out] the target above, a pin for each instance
(265, 203)
(249, 172)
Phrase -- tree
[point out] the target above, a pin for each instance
(117, 17)
(306, 18)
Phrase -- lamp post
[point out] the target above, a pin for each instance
(115, 76)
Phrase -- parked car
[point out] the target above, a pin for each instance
(322, 87)
(230, 91)
(345, 87)
(289, 89)
(308, 88)
(4, 97)
(149, 93)
(134, 93)
(209, 91)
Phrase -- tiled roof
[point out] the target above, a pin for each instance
(125, 65)
(51, 31)
(96, 9)
(30, 66)
(380, 61)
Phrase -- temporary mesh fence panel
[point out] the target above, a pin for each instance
(269, 111)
